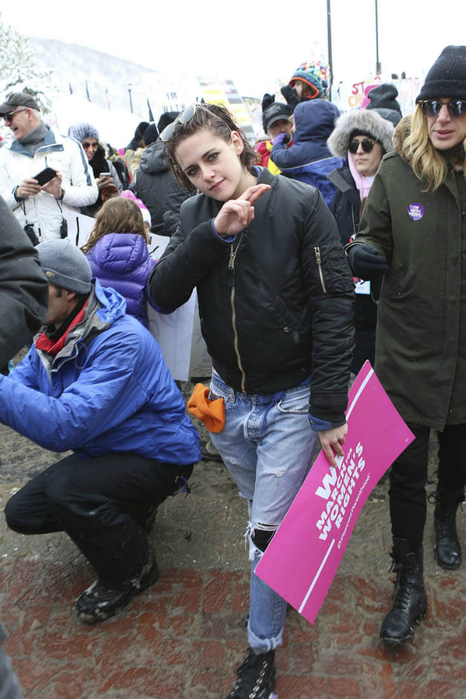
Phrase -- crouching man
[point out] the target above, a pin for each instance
(95, 382)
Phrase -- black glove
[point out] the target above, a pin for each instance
(366, 261)
(291, 96)
(267, 100)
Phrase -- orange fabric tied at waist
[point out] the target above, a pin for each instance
(210, 412)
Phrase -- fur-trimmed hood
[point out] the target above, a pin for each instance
(368, 122)
(402, 131)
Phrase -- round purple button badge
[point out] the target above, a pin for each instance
(415, 211)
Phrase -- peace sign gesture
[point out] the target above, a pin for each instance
(237, 214)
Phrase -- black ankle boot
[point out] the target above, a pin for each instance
(409, 595)
(101, 601)
(256, 677)
(447, 549)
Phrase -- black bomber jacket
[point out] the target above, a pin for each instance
(276, 304)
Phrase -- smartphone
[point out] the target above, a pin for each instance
(45, 176)
(105, 174)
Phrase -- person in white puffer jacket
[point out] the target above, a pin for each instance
(42, 210)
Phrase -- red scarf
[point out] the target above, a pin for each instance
(53, 347)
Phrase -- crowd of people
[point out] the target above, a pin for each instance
(337, 239)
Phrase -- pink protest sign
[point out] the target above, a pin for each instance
(303, 557)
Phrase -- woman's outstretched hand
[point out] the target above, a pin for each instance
(236, 214)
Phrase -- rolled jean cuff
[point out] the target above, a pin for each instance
(263, 645)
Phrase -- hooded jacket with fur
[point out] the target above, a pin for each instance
(360, 121)
(347, 203)
(346, 208)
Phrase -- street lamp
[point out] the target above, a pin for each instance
(130, 100)
(378, 65)
(329, 43)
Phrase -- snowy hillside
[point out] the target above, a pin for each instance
(109, 79)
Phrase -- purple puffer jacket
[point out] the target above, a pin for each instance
(121, 260)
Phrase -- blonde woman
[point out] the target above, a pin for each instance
(414, 229)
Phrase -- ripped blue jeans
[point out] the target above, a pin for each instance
(267, 446)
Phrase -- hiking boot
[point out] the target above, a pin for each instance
(209, 452)
(409, 595)
(101, 601)
(447, 549)
(256, 677)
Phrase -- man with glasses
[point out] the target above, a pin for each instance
(42, 208)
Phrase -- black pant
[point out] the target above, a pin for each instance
(101, 503)
(408, 476)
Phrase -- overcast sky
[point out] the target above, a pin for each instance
(257, 44)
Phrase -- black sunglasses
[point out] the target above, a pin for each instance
(10, 115)
(366, 143)
(183, 118)
(431, 108)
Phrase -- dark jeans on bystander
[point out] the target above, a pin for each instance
(408, 477)
(102, 503)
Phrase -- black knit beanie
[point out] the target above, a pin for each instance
(447, 77)
(358, 131)
(384, 97)
(165, 119)
(140, 128)
(151, 134)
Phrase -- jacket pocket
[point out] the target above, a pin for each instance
(293, 323)
(328, 270)
(319, 267)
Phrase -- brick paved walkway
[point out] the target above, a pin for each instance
(183, 638)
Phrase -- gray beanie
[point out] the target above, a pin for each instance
(82, 131)
(65, 265)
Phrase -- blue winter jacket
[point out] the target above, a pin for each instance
(121, 260)
(108, 390)
(309, 159)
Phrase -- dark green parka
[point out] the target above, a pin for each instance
(421, 330)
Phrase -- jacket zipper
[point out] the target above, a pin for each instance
(319, 267)
(231, 284)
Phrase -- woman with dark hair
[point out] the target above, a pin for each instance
(275, 298)
(361, 138)
(413, 229)
(118, 254)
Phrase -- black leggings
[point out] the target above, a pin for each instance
(408, 476)
(101, 503)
